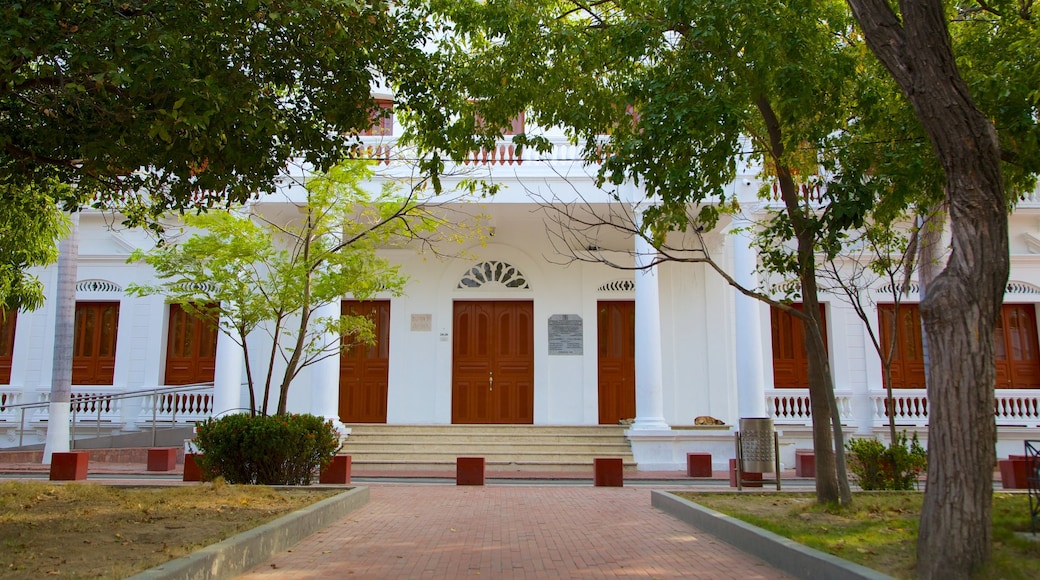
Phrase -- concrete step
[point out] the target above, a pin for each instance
(509, 447)
(375, 446)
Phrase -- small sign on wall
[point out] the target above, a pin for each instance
(422, 322)
(565, 335)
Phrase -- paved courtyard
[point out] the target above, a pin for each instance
(510, 531)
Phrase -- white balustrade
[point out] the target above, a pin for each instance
(792, 407)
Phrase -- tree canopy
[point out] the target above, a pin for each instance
(147, 106)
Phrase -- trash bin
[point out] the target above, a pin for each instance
(757, 445)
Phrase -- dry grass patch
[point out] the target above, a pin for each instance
(94, 531)
(880, 529)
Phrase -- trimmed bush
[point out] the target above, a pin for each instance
(271, 450)
(896, 467)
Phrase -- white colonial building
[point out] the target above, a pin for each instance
(511, 329)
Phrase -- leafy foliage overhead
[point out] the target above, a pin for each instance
(188, 103)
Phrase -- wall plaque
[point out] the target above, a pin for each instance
(422, 322)
(565, 334)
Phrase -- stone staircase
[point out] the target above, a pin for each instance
(505, 448)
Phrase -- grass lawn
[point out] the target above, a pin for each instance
(880, 529)
(84, 530)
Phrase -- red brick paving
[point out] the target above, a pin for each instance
(510, 531)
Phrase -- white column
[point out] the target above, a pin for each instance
(227, 377)
(649, 383)
(325, 373)
(751, 393)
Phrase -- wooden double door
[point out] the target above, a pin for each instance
(616, 326)
(364, 370)
(492, 379)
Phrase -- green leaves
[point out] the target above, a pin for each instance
(31, 225)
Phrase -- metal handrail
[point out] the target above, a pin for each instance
(87, 398)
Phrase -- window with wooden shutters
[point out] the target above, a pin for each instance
(1015, 348)
(191, 348)
(790, 362)
(94, 348)
(382, 119)
(516, 125)
(908, 356)
(7, 326)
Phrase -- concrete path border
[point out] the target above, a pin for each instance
(248, 549)
(786, 555)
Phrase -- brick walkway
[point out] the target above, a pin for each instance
(507, 531)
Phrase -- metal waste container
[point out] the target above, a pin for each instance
(757, 445)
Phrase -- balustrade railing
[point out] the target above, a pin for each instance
(791, 406)
(1012, 408)
(163, 407)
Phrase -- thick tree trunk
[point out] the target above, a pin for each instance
(963, 302)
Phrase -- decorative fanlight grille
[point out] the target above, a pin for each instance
(1021, 288)
(494, 272)
(97, 286)
(618, 286)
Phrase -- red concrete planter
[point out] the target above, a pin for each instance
(1013, 473)
(162, 459)
(469, 471)
(804, 463)
(750, 479)
(338, 471)
(608, 472)
(69, 466)
(192, 471)
(698, 464)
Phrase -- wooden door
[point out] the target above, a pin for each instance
(191, 349)
(493, 363)
(364, 370)
(908, 356)
(790, 361)
(94, 346)
(616, 326)
(1015, 348)
(8, 320)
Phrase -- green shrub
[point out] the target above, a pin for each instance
(896, 467)
(271, 450)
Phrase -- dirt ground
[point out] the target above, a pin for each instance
(83, 530)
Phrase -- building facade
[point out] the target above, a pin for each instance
(521, 327)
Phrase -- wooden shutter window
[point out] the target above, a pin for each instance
(8, 320)
(908, 357)
(790, 361)
(382, 119)
(1015, 348)
(94, 348)
(191, 349)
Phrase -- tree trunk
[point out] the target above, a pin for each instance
(59, 408)
(832, 484)
(963, 302)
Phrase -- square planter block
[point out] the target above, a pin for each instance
(698, 464)
(192, 471)
(162, 459)
(804, 463)
(1013, 473)
(750, 479)
(608, 472)
(69, 466)
(336, 472)
(469, 471)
